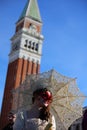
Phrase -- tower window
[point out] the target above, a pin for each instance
(36, 47)
(15, 47)
(29, 46)
(33, 45)
(26, 41)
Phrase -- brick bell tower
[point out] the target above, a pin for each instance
(25, 54)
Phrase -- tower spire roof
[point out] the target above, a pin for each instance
(31, 10)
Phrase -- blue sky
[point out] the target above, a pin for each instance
(65, 40)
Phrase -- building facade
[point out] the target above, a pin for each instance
(77, 125)
(25, 54)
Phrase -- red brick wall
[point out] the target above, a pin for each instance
(16, 74)
(29, 67)
(20, 26)
(28, 23)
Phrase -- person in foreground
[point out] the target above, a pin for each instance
(39, 116)
(11, 120)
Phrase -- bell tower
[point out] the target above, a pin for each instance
(25, 53)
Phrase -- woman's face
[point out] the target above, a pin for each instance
(42, 102)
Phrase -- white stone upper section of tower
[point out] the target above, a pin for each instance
(27, 40)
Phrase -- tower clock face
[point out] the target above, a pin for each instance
(33, 28)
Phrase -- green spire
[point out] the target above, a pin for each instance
(31, 10)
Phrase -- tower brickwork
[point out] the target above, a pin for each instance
(25, 54)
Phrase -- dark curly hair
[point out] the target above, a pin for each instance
(44, 113)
